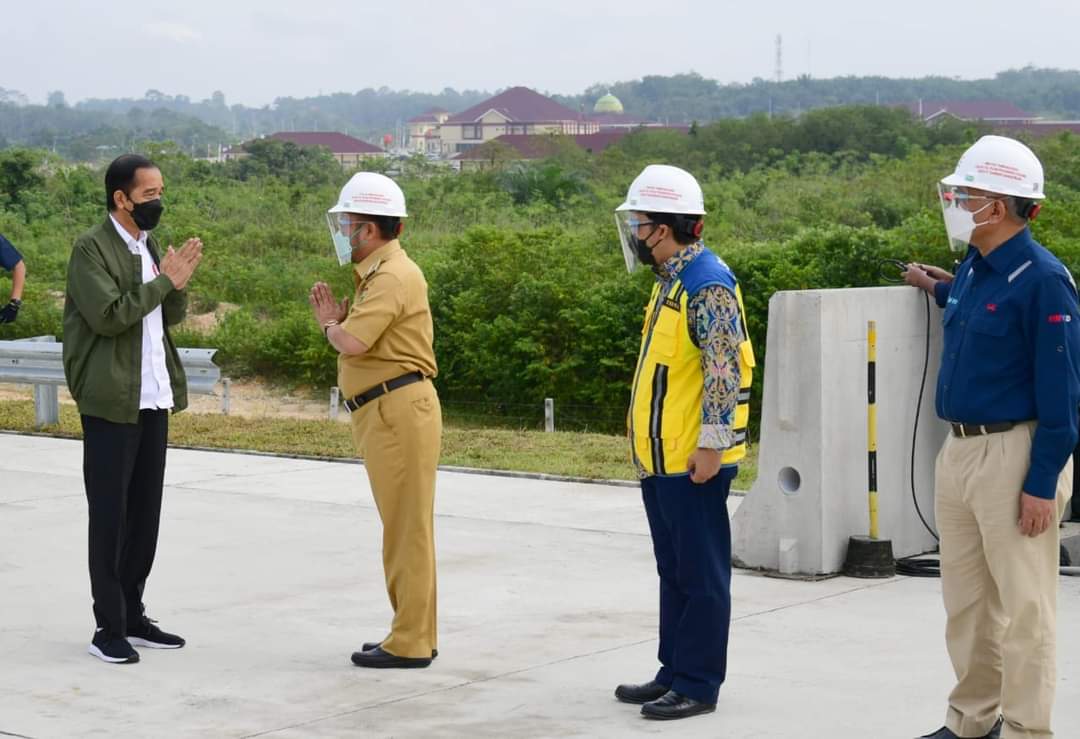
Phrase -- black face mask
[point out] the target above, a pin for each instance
(644, 253)
(147, 215)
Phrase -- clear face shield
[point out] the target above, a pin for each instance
(629, 223)
(960, 221)
(343, 227)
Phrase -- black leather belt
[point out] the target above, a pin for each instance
(354, 403)
(964, 430)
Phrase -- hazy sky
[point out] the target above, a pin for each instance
(256, 51)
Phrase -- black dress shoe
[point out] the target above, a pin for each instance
(643, 693)
(377, 657)
(672, 705)
(946, 733)
(369, 645)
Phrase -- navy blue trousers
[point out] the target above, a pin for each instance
(691, 537)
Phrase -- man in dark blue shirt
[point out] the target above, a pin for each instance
(12, 261)
(1009, 386)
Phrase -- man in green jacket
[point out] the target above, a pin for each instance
(124, 373)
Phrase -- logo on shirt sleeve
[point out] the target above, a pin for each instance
(1060, 318)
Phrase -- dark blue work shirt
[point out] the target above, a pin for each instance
(9, 255)
(1012, 350)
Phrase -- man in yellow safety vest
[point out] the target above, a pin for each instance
(687, 427)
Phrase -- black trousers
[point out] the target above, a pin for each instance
(124, 471)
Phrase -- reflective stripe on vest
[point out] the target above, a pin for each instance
(665, 405)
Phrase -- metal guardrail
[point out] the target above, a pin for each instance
(39, 362)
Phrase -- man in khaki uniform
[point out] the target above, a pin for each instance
(1009, 386)
(385, 366)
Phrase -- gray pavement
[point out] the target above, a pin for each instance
(270, 568)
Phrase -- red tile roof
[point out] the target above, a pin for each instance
(545, 145)
(1039, 128)
(521, 105)
(969, 110)
(338, 143)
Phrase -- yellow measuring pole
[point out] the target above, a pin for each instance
(871, 423)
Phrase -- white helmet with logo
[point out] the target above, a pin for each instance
(661, 188)
(999, 165)
(371, 194)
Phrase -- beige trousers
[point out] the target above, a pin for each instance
(399, 436)
(999, 587)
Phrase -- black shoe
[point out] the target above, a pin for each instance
(946, 733)
(378, 658)
(643, 693)
(112, 649)
(673, 705)
(147, 634)
(369, 645)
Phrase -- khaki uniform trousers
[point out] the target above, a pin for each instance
(399, 436)
(999, 586)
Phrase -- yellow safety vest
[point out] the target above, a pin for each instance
(665, 406)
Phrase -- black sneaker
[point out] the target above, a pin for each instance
(147, 634)
(112, 649)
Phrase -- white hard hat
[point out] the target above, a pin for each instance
(372, 194)
(999, 165)
(661, 188)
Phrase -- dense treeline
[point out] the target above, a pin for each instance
(689, 97)
(86, 131)
(84, 135)
(529, 292)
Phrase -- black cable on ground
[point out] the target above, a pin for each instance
(921, 565)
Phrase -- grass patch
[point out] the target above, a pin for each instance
(594, 456)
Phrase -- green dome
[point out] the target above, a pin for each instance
(608, 104)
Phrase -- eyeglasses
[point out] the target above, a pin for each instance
(635, 224)
(956, 197)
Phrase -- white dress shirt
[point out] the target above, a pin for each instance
(156, 390)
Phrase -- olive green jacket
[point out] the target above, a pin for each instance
(106, 303)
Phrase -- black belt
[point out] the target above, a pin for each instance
(964, 430)
(354, 403)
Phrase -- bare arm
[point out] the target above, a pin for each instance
(18, 280)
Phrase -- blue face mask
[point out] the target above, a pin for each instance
(344, 245)
(343, 248)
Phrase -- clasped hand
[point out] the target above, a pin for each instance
(180, 264)
(324, 307)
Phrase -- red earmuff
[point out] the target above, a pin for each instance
(1033, 211)
(698, 227)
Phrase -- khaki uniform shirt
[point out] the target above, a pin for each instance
(391, 315)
